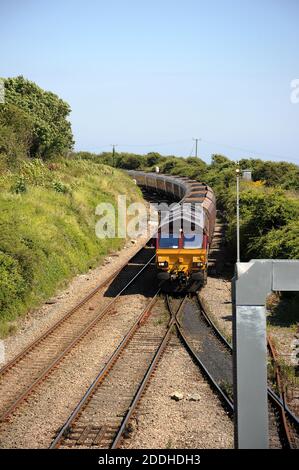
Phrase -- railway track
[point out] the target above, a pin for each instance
(20, 377)
(280, 415)
(91, 424)
(174, 307)
(101, 418)
(104, 415)
(204, 349)
(290, 437)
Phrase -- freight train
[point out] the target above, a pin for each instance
(184, 235)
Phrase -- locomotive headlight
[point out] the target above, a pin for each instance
(162, 264)
(197, 264)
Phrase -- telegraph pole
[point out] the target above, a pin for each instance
(196, 145)
(238, 212)
(113, 154)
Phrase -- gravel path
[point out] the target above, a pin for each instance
(162, 422)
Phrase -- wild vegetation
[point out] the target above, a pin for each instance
(33, 123)
(47, 200)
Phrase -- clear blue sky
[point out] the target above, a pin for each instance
(150, 75)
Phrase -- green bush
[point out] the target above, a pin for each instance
(268, 222)
(282, 243)
(283, 174)
(19, 186)
(60, 187)
(35, 172)
(12, 284)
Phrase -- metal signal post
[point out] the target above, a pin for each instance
(238, 212)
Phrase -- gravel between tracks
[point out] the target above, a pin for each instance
(162, 422)
(38, 321)
(216, 297)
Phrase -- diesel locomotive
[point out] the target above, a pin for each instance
(185, 232)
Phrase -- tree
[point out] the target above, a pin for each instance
(129, 161)
(47, 113)
(152, 158)
(221, 161)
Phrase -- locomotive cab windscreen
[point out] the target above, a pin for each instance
(181, 240)
(193, 241)
(168, 241)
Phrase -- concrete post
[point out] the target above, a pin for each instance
(252, 282)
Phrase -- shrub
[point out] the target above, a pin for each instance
(20, 186)
(12, 285)
(60, 187)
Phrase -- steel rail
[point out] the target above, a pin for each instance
(271, 393)
(143, 384)
(44, 374)
(281, 389)
(103, 373)
(189, 348)
(173, 321)
(273, 396)
(36, 342)
(193, 354)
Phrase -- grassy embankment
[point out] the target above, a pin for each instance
(47, 228)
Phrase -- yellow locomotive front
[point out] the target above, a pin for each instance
(181, 259)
